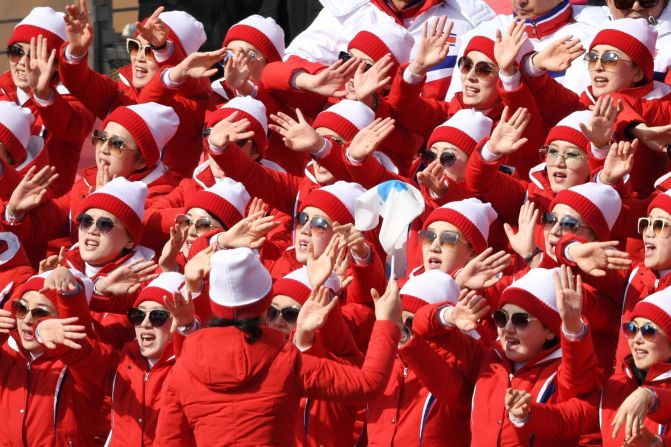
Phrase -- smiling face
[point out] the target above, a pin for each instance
(255, 64)
(625, 74)
(323, 175)
(152, 340)
(458, 170)
(563, 175)
(303, 235)
(199, 217)
(480, 91)
(98, 248)
(26, 326)
(658, 246)
(446, 258)
(18, 68)
(122, 163)
(520, 345)
(646, 353)
(552, 233)
(143, 68)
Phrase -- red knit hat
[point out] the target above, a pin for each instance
(465, 129)
(36, 283)
(431, 287)
(226, 201)
(598, 204)
(124, 199)
(336, 200)
(297, 285)
(184, 30)
(253, 110)
(483, 44)
(656, 308)
(150, 124)
(661, 200)
(635, 37)
(568, 129)
(345, 118)
(15, 125)
(240, 285)
(383, 39)
(166, 284)
(535, 293)
(471, 216)
(41, 20)
(262, 32)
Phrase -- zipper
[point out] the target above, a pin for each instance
(533, 25)
(405, 371)
(146, 377)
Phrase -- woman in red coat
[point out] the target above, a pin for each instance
(254, 401)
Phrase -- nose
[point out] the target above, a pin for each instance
(556, 229)
(637, 6)
(435, 245)
(145, 323)
(471, 75)
(305, 229)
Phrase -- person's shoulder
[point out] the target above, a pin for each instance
(342, 8)
(592, 16)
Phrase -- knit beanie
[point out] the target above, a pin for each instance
(253, 110)
(431, 287)
(384, 38)
(568, 129)
(471, 216)
(226, 201)
(125, 200)
(262, 32)
(36, 283)
(465, 129)
(166, 284)
(656, 308)
(150, 124)
(535, 293)
(345, 118)
(41, 20)
(336, 200)
(239, 284)
(598, 204)
(484, 43)
(662, 201)
(297, 285)
(635, 37)
(184, 30)
(15, 122)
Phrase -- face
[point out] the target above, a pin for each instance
(26, 325)
(648, 352)
(552, 233)
(479, 87)
(567, 165)
(304, 234)
(99, 247)
(152, 340)
(530, 9)
(322, 175)
(361, 55)
(144, 68)
(520, 345)
(17, 67)
(199, 223)
(457, 170)
(637, 11)
(446, 258)
(624, 74)
(121, 162)
(256, 62)
(657, 241)
(282, 302)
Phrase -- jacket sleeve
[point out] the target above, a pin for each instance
(578, 373)
(370, 172)
(68, 119)
(337, 341)
(76, 306)
(319, 42)
(172, 428)
(334, 161)
(563, 100)
(44, 223)
(325, 379)
(662, 414)
(569, 419)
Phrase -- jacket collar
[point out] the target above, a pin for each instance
(548, 23)
(166, 359)
(203, 176)
(539, 176)
(658, 373)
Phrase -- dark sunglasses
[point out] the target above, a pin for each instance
(483, 69)
(202, 224)
(628, 4)
(609, 60)
(446, 238)
(317, 222)
(565, 223)
(21, 310)
(103, 224)
(16, 52)
(133, 46)
(447, 158)
(345, 56)
(408, 322)
(659, 226)
(157, 317)
(289, 314)
(519, 320)
(648, 331)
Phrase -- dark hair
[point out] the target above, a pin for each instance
(551, 343)
(250, 326)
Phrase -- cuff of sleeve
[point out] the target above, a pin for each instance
(215, 149)
(70, 59)
(531, 69)
(350, 160)
(43, 103)
(324, 151)
(442, 318)
(574, 337)
(517, 422)
(164, 54)
(487, 155)
(165, 80)
(362, 262)
(511, 83)
(566, 249)
(600, 152)
(189, 328)
(655, 400)
(13, 219)
(411, 78)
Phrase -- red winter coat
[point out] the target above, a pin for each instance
(247, 393)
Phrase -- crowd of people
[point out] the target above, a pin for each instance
(208, 280)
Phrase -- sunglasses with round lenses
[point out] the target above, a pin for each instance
(157, 317)
(565, 223)
(202, 224)
(446, 238)
(551, 155)
(648, 331)
(447, 158)
(103, 224)
(609, 60)
(519, 320)
(289, 314)
(134, 46)
(21, 310)
(16, 52)
(659, 226)
(345, 56)
(115, 144)
(483, 69)
(316, 223)
(628, 4)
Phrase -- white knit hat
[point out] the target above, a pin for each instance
(184, 30)
(41, 20)
(150, 124)
(166, 284)
(345, 118)
(383, 38)
(471, 216)
(124, 199)
(262, 32)
(535, 293)
(297, 285)
(226, 201)
(598, 204)
(336, 200)
(36, 283)
(239, 284)
(465, 129)
(15, 122)
(250, 108)
(431, 287)
(656, 308)
(568, 129)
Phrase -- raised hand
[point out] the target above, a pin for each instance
(433, 46)
(299, 135)
(645, 438)
(434, 178)
(40, 67)
(632, 413)
(127, 279)
(32, 189)
(368, 139)
(154, 30)
(197, 65)
(7, 322)
(168, 260)
(468, 311)
(315, 311)
(599, 130)
(619, 161)
(507, 135)
(320, 268)
(229, 129)
(506, 50)
(523, 241)
(52, 261)
(237, 70)
(197, 269)
(249, 232)
(517, 403)
(78, 28)
(353, 239)
(388, 306)
(559, 55)
(657, 138)
(368, 82)
(329, 81)
(594, 258)
(483, 270)
(181, 308)
(53, 332)
(569, 299)
(61, 280)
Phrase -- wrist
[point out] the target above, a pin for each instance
(302, 81)
(177, 75)
(194, 285)
(507, 71)
(318, 145)
(157, 46)
(531, 255)
(417, 69)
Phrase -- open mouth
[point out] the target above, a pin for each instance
(511, 343)
(600, 81)
(470, 91)
(650, 248)
(640, 354)
(303, 245)
(28, 334)
(147, 339)
(90, 244)
(434, 262)
(140, 72)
